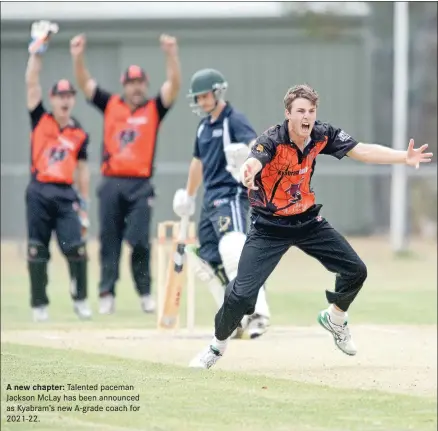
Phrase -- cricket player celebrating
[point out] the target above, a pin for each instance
(131, 125)
(278, 174)
(58, 153)
(222, 144)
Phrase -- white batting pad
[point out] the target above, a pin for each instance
(230, 249)
(206, 274)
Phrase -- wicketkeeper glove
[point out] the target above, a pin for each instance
(40, 35)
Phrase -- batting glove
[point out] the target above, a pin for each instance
(183, 204)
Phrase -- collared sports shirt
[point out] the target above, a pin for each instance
(284, 181)
(55, 151)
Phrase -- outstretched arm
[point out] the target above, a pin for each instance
(378, 154)
(341, 144)
(248, 172)
(33, 86)
(170, 88)
(262, 152)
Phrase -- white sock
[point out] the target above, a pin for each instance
(219, 345)
(337, 316)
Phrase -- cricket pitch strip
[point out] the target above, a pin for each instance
(400, 359)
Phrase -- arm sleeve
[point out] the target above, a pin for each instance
(36, 115)
(100, 99)
(196, 153)
(263, 150)
(162, 110)
(339, 143)
(83, 151)
(241, 130)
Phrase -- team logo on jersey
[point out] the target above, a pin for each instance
(217, 133)
(224, 223)
(294, 192)
(56, 154)
(259, 148)
(343, 136)
(127, 137)
(219, 202)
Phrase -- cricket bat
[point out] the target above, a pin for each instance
(175, 280)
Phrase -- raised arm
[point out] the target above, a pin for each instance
(170, 88)
(40, 34)
(83, 77)
(33, 86)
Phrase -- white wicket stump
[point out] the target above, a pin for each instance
(165, 246)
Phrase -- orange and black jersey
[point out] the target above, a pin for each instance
(55, 151)
(284, 182)
(129, 137)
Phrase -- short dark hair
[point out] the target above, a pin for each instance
(302, 91)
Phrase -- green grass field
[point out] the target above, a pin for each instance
(290, 379)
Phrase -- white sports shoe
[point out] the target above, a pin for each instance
(82, 309)
(206, 359)
(147, 304)
(106, 304)
(257, 325)
(341, 333)
(40, 314)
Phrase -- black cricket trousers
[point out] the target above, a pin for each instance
(267, 242)
(54, 207)
(124, 214)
